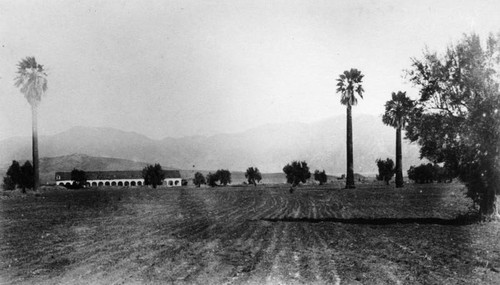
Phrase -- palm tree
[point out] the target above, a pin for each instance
(32, 79)
(396, 115)
(349, 83)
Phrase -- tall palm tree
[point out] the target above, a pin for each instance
(396, 115)
(32, 79)
(349, 84)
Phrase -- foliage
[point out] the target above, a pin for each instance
(457, 119)
(27, 176)
(212, 179)
(348, 84)
(428, 173)
(443, 174)
(223, 176)
(79, 178)
(32, 79)
(19, 176)
(386, 169)
(153, 175)
(13, 176)
(398, 110)
(297, 172)
(320, 176)
(198, 179)
(253, 175)
(8, 183)
(422, 174)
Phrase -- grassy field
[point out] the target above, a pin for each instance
(245, 235)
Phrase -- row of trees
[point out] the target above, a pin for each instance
(221, 176)
(296, 172)
(424, 173)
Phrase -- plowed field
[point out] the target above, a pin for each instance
(247, 235)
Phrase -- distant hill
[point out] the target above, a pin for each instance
(269, 147)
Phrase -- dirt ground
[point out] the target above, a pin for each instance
(245, 235)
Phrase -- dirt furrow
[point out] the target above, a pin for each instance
(326, 256)
(269, 251)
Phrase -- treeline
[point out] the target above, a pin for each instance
(296, 172)
(424, 173)
(429, 173)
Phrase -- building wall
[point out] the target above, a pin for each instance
(169, 182)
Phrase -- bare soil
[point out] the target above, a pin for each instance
(244, 235)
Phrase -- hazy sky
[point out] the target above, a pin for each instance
(175, 68)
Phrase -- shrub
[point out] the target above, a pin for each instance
(320, 177)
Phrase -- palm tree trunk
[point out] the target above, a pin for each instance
(34, 126)
(350, 163)
(399, 159)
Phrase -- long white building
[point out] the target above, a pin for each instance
(118, 178)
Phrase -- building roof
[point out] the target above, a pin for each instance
(111, 175)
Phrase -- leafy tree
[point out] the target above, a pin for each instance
(153, 175)
(253, 175)
(397, 112)
(224, 176)
(349, 84)
(32, 80)
(457, 118)
(320, 176)
(27, 176)
(385, 169)
(14, 175)
(212, 179)
(198, 179)
(79, 178)
(297, 172)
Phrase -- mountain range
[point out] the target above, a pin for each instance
(321, 144)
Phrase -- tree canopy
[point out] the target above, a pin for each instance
(320, 176)
(32, 79)
(348, 85)
(153, 175)
(297, 172)
(198, 179)
(79, 178)
(223, 176)
(386, 169)
(456, 119)
(253, 175)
